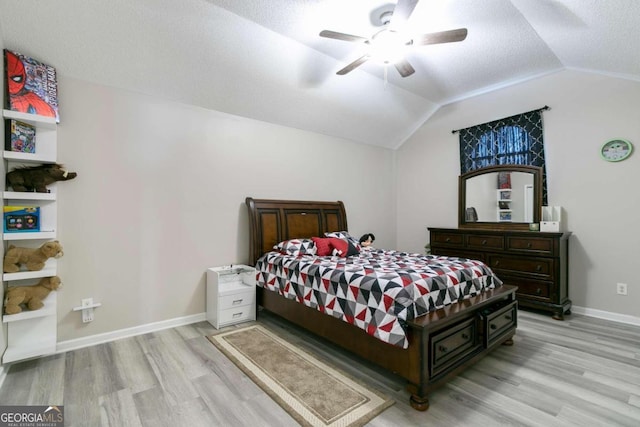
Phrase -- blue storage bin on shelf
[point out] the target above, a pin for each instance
(21, 219)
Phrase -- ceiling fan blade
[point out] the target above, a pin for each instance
(442, 37)
(404, 68)
(402, 12)
(342, 36)
(353, 65)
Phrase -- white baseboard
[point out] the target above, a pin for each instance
(607, 315)
(77, 343)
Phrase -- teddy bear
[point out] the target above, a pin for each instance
(34, 259)
(31, 296)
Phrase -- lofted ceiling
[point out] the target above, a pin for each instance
(263, 59)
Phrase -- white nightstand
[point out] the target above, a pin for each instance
(231, 295)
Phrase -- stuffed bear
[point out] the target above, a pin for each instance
(36, 178)
(34, 259)
(30, 296)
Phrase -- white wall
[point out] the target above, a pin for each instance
(160, 196)
(600, 198)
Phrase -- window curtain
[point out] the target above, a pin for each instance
(515, 140)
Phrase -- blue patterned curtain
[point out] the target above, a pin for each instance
(515, 140)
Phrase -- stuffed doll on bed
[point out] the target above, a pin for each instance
(367, 240)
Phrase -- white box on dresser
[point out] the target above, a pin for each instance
(231, 295)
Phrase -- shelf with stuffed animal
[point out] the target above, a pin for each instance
(19, 298)
(33, 259)
(36, 178)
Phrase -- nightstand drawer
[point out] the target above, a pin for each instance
(237, 315)
(451, 346)
(538, 245)
(236, 300)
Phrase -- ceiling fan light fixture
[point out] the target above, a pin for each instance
(388, 46)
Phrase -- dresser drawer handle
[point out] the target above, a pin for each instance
(493, 326)
(484, 242)
(465, 336)
(497, 263)
(528, 245)
(507, 317)
(236, 315)
(442, 349)
(538, 267)
(237, 301)
(448, 239)
(538, 291)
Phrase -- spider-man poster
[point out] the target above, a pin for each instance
(31, 85)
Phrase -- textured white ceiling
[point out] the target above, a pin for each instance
(263, 59)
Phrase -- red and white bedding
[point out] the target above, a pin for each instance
(376, 290)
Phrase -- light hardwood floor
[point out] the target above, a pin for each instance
(580, 372)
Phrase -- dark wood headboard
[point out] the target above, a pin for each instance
(272, 221)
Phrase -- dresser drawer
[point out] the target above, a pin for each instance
(500, 322)
(446, 238)
(540, 268)
(485, 242)
(459, 253)
(540, 290)
(535, 245)
(236, 300)
(237, 315)
(451, 346)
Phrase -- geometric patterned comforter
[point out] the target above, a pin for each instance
(376, 290)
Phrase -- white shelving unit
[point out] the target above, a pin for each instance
(32, 333)
(231, 295)
(504, 197)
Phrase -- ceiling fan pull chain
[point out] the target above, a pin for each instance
(385, 76)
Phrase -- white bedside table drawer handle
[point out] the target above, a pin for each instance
(237, 301)
(236, 315)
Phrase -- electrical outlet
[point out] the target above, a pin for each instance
(87, 315)
(621, 288)
(87, 310)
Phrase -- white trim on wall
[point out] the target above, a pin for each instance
(606, 315)
(78, 343)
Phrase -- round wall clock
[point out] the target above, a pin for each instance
(616, 150)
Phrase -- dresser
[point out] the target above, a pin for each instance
(535, 262)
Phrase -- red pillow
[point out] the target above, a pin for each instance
(323, 246)
(340, 245)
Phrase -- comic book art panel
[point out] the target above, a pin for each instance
(22, 137)
(32, 86)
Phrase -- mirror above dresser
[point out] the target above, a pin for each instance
(500, 197)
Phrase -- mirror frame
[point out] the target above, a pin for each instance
(537, 197)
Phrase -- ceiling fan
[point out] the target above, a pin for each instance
(390, 44)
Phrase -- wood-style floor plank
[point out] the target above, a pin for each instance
(580, 372)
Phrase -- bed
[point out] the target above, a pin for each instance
(439, 340)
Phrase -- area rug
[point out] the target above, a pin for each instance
(312, 392)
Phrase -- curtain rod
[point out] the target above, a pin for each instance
(546, 107)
